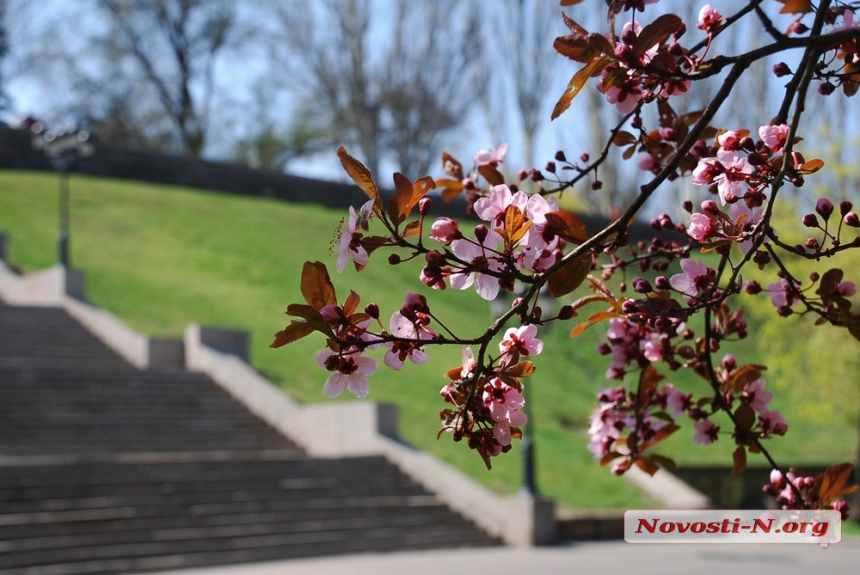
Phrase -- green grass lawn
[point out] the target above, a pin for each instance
(160, 257)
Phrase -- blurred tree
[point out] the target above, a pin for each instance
(523, 30)
(170, 46)
(388, 83)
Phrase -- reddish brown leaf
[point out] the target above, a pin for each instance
(316, 285)
(833, 482)
(311, 316)
(397, 206)
(493, 176)
(577, 82)
(566, 226)
(452, 166)
(743, 376)
(420, 189)
(351, 303)
(570, 2)
(649, 378)
(596, 318)
(796, 6)
(570, 276)
(656, 32)
(745, 416)
(739, 457)
(362, 178)
(811, 166)
(412, 229)
(624, 138)
(523, 369)
(574, 27)
(647, 465)
(296, 330)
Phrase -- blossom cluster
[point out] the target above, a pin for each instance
(523, 242)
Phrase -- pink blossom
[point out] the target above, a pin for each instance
(706, 432)
(492, 208)
(350, 246)
(729, 140)
(678, 401)
(695, 278)
(728, 170)
(626, 96)
(745, 219)
(774, 137)
(445, 230)
(479, 258)
(491, 157)
(709, 19)
(397, 354)
(782, 293)
(701, 227)
(522, 340)
(504, 403)
(846, 289)
(756, 397)
(646, 162)
(350, 372)
(772, 423)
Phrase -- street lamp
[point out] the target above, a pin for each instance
(62, 148)
(499, 306)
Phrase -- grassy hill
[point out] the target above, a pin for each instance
(160, 257)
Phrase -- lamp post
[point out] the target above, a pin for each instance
(499, 306)
(62, 148)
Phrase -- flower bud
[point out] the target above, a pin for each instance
(372, 310)
(851, 220)
(688, 206)
(799, 28)
(566, 312)
(481, 233)
(845, 207)
(636, 122)
(824, 208)
(826, 88)
(752, 287)
(550, 167)
(394, 259)
(560, 157)
(468, 184)
(781, 69)
(596, 185)
(662, 283)
(814, 277)
(604, 349)
(424, 206)
(535, 175)
(710, 207)
(522, 175)
(784, 311)
(629, 306)
(810, 221)
(584, 157)
(729, 362)
(641, 285)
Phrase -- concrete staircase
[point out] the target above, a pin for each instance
(105, 468)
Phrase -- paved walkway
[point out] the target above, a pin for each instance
(585, 558)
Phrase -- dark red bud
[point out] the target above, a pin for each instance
(688, 206)
(550, 167)
(394, 259)
(372, 310)
(596, 185)
(781, 69)
(814, 277)
(584, 157)
(424, 206)
(810, 221)
(566, 312)
(845, 207)
(560, 157)
(799, 28)
(481, 233)
(826, 88)
(824, 207)
(851, 220)
(752, 287)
